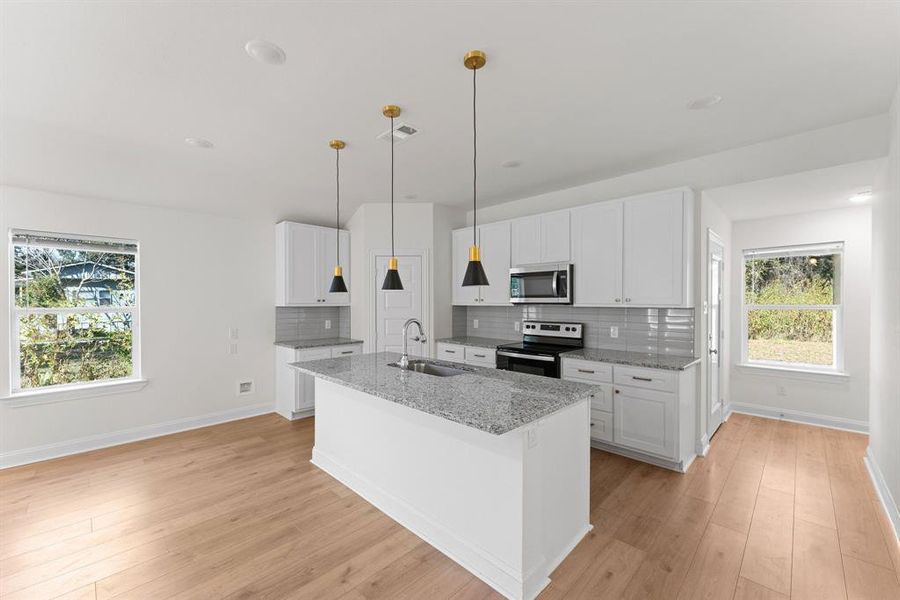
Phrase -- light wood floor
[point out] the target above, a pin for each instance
(776, 510)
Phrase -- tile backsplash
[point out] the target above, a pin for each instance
(650, 330)
(308, 323)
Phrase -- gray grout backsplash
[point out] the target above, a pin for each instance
(649, 330)
(308, 323)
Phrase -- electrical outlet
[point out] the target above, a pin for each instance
(327, 323)
(517, 325)
(532, 438)
(781, 390)
(613, 332)
(474, 323)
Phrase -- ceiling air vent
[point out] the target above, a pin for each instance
(402, 132)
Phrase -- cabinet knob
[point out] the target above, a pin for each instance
(617, 391)
(618, 299)
(627, 299)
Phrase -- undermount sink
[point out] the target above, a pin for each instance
(430, 368)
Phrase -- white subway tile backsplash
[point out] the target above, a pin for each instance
(308, 323)
(649, 330)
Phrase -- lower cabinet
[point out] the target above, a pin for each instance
(469, 355)
(647, 413)
(295, 393)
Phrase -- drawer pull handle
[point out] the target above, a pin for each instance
(450, 351)
(478, 355)
(642, 378)
(591, 371)
(347, 352)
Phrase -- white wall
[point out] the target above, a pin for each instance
(712, 217)
(199, 275)
(821, 399)
(884, 401)
(417, 226)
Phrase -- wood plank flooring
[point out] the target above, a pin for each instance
(777, 510)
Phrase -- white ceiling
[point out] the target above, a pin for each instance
(819, 189)
(98, 97)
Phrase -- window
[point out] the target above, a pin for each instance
(75, 310)
(792, 307)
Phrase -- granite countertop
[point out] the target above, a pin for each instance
(487, 399)
(634, 359)
(475, 342)
(319, 343)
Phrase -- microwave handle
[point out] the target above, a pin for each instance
(555, 280)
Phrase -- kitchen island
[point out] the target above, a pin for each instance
(490, 467)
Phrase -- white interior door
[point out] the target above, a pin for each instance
(394, 307)
(715, 333)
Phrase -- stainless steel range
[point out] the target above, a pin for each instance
(539, 351)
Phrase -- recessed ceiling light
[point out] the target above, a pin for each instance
(198, 142)
(265, 52)
(705, 102)
(511, 164)
(862, 196)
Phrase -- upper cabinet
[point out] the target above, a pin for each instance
(541, 239)
(656, 259)
(634, 252)
(305, 257)
(494, 240)
(597, 254)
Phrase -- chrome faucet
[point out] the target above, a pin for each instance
(404, 359)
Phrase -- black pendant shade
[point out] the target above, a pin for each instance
(392, 280)
(337, 285)
(475, 274)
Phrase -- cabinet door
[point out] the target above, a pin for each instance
(306, 384)
(302, 264)
(526, 241)
(494, 242)
(644, 420)
(462, 295)
(597, 254)
(555, 246)
(653, 250)
(328, 257)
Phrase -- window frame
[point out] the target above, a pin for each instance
(837, 311)
(15, 312)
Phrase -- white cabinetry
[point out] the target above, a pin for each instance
(295, 391)
(305, 257)
(597, 254)
(541, 239)
(494, 242)
(658, 233)
(634, 252)
(469, 355)
(648, 414)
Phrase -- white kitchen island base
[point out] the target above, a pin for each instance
(509, 508)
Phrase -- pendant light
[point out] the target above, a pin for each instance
(475, 275)
(337, 284)
(392, 277)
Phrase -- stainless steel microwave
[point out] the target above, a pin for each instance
(541, 284)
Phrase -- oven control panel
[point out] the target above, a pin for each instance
(552, 329)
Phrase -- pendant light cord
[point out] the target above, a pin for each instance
(474, 165)
(392, 186)
(337, 187)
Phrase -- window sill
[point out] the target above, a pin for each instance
(796, 372)
(62, 394)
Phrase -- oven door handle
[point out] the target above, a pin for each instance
(526, 356)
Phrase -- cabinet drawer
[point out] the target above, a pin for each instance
(650, 379)
(481, 357)
(587, 371)
(601, 425)
(451, 352)
(313, 354)
(347, 350)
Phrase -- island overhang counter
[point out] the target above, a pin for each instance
(490, 467)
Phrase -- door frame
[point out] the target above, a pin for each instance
(373, 283)
(713, 238)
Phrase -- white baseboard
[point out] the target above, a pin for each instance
(797, 416)
(105, 440)
(884, 493)
(672, 465)
(480, 563)
(703, 445)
